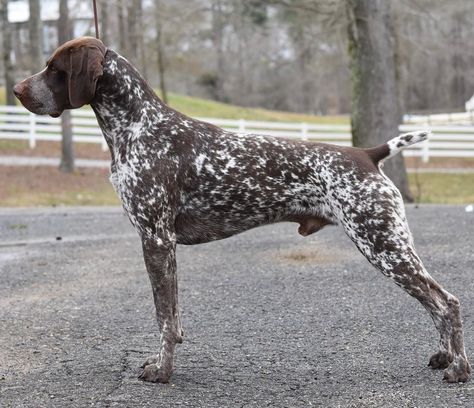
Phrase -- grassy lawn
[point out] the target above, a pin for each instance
(443, 188)
(198, 107)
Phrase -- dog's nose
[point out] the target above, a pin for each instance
(18, 90)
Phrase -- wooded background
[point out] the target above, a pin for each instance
(278, 54)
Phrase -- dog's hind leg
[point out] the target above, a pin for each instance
(160, 261)
(381, 233)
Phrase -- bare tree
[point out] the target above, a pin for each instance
(67, 146)
(7, 53)
(36, 36)
(160, 50)
(132, 25)
(375, 111)
(140, 40)
(122, 31)
(104, 21)
(218, 26)
(135, 27)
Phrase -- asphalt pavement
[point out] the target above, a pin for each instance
(270, 318)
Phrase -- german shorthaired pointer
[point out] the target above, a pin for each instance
(183, 181)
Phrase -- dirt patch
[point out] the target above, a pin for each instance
(51, 149)
(25, 186)
(317, 254)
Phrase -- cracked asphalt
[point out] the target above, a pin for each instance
(270, 318)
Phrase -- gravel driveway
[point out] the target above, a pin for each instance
(270, 318)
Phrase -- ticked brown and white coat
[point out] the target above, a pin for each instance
(184, 181)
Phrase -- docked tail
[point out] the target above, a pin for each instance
(392, 147)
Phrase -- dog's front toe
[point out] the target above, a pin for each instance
(153, 373)
(150, 360)
(440, 360)
(458, 371)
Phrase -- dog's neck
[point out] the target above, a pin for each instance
(126, 107)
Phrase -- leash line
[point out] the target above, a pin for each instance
(95, 19)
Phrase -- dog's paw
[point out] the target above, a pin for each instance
(150, 360)
(153, 373)
(440, 360)
(457, 371)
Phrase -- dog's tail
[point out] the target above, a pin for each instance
(392, 147)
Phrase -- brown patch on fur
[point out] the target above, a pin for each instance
(378, 153)
(64, 50)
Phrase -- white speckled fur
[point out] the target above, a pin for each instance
(223, 183)
(185, 181)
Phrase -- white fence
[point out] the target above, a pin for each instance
(454, 118)
(447, 141)
(18, 124)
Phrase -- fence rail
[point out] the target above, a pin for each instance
(16, 123)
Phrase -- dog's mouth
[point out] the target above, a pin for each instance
(55, 114)
(38, 107)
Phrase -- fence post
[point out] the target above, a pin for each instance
(425, 151)
(241, 125)
(425, 147)
(304, 131)
(32, 135)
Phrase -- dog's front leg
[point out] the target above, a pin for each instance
(160, 260)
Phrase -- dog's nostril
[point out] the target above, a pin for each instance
(17, 90)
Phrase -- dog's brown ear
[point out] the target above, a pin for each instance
(85, 68)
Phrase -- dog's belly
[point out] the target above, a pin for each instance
(200, 228)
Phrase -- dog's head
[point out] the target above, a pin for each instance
(69, 80)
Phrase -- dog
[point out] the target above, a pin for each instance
(184, 181)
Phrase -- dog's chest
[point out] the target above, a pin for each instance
(124, 179)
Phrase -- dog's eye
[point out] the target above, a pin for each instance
(52, 69)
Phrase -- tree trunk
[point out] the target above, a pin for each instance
(141, 39)
(64, 25)
(36, 36)
(217, 35)
(104, 21)
(375, 111)
(159, 44)
(7, 51)
(133, 12)
(401, 62)
(123, 32)
(67, 147)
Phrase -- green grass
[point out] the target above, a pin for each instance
(437, 188)
(199, 107)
